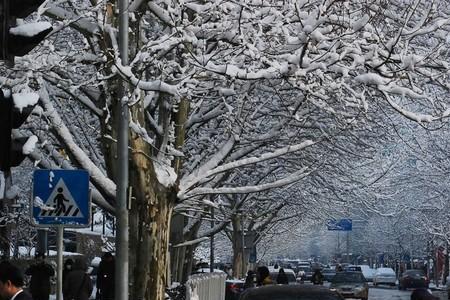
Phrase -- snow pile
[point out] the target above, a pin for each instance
(30, 29)
(23, 100)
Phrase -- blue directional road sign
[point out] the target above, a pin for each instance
(61, 197)
(340, 225)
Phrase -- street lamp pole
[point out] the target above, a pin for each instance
(122, 236)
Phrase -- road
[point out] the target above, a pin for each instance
(387, 293)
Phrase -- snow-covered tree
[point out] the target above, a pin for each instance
(218, 86)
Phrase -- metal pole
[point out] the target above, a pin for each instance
(243, 246)
(338, 246)
(6, 206)
(59, 263)
(42, 240)
(211, 245)
(348, 245)
(122, 236)
(92, 218)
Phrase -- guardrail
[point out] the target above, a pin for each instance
(207, 286)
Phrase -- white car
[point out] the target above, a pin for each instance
(384, 276)
(367, 271)
(289, 273)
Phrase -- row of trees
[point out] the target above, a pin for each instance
(228, 102)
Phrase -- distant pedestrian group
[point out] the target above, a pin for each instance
(77, 284)
(262, 277)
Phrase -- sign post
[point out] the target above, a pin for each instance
(341, 225)
(61, 199)
(59, 263)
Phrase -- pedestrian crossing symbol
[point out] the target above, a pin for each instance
(62, 202)
(61, 197)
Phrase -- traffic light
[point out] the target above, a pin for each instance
(11, 117)
(19, 40)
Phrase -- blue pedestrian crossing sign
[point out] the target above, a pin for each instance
(61, 197)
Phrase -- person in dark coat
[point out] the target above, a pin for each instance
(77, 285)
(263, 276)
(282, 277)
(12, 274)
(422, 294)
(250, 279)
(105, 277)
(40, 273)
(317, 277)
(68, 266)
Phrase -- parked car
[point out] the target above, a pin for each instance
(328, 274)
(384, 276)
(233, 289)
(350, 284)
(353, 268)
(290, 292)
(367, 271)
(289, 273)
(207, 270)
(413, 279)
(309, 273)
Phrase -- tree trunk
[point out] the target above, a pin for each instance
(188, 262)
(177, 253)
(238, 268)
(153, 210)
(150, 213)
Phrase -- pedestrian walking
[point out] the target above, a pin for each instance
(11, 282)
(250, 279)
(282, 277)
(40, 273)
(317, 277)
(263, 276)
(422, 294)
(77, 285)
(105, 277)
(68, 266)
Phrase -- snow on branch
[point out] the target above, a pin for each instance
(419, 118)
(202, 173)
(64, 134)
(247, 189)
(155, 85)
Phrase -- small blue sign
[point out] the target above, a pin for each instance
(61, 197)
(339, 225)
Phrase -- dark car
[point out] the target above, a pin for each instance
(328, 274)
(413, 279)
(290, 292)
(350, 285)
(353, 268)
(233, 289)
